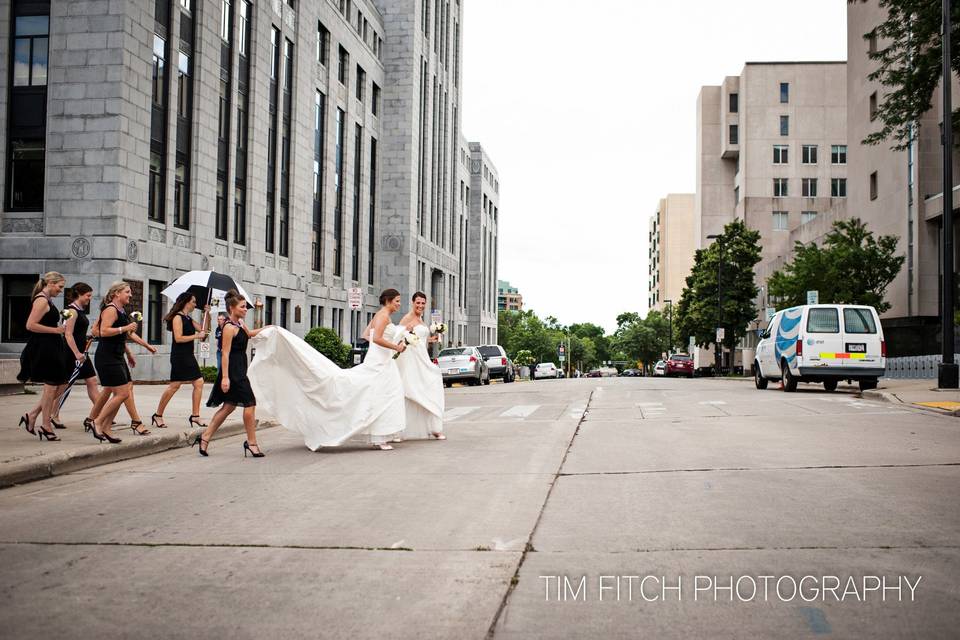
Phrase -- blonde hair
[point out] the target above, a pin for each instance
(45, 279)
(112, 292)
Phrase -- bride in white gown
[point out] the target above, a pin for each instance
(422, 380)
(329, 406)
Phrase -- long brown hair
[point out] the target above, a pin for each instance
(112, 292)
(45, 279)
(178, 306)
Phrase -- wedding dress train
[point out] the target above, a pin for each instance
(423, 388)
(329, 406)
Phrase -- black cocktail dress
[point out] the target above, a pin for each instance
(241, 393)
(81, 329)
(46, 358)
(110, 361)
(183, 364)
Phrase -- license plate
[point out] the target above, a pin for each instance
(453, 371)
(856, 347)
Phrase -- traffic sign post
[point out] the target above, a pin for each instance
(813, 297)
(204, 350)
(355, 298)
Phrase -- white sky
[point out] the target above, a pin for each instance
(588, 110)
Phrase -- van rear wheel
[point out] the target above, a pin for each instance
(789, 382)
(866, 385)
(830, 385)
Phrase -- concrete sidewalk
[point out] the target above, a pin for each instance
(920, 394)
(26, 458)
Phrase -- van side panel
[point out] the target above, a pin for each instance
(787, 332)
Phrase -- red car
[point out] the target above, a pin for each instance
(679, 364)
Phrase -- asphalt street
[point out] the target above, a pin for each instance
(538, 518)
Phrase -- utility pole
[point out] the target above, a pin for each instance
(718, 352)
(947, 374)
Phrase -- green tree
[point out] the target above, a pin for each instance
(909, 66)
(852, 267)
(731, 258)
(597, 335)
(327, 342)
(643, 339)
(524, 330)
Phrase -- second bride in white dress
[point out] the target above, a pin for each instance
(329, 406)
(422, 380)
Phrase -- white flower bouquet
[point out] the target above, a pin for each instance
(410, 339)
(136, 316)
(66, 314)
(438, 328)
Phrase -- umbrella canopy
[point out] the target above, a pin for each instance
(204, 285)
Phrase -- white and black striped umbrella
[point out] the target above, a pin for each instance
(205, 285)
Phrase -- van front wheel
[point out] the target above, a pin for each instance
(789, 382)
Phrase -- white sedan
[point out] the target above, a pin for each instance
(660, 369)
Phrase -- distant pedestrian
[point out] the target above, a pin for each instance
(218, 334)
(183, 364)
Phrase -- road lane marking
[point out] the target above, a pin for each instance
(714, 402)
(520, 411)
(457, 412)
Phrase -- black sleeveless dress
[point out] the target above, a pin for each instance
(240, 394)
(183, 364)
(46, 358)
(81, 328)
(110, 361)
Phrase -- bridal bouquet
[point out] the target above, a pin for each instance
(410, 339)
(136, 316)
(66, 314)
(438, 328)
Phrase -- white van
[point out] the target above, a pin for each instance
(822, 343)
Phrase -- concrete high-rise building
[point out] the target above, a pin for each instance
(482, 243)
(672, 245)
(306, 148)
(508, 297)
(898, 192)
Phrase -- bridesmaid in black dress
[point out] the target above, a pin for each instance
(183, 364)
(45, 358)
(113, 328)
(232, 388)
(77, 331)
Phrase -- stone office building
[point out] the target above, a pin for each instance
(306, 148)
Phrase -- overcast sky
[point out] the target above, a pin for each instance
(588, 110)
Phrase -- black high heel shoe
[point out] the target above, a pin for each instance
(156, 423)
(200, 441)
(110, 438)
(25, 423)
(57, 425)
(138, 428)
(249, 447)
(49, 435)
(196, 423)
(88, 424)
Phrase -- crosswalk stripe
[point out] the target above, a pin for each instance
(712, 402)
(520, 411)
(457, 412)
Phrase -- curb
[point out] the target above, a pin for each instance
(890, 396)
(95, 455)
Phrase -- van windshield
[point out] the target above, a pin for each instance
(823, 320)
(859, 321)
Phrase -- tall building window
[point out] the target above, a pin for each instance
(784, 92)
(342, 71)
(873, 185)
(809, 154)
(784, 125)
(319, 121)
(243, 133)
(734, 102)
(807, 216)
(361, 82)
(372, 220)
(808, 187)
(838, 154)
(156, 196)
(272, 140)
(323, 43)
(285, 149)
(184, 144)
(26, 132)
(780, 153)
(269, 306)
(781, 220)
(375, 99)
(285, 313)
(872, 42)
(357, 178)
(734, 134)
(155, 312)
(221, 218)
(780, 188)
(873, 106)
(30, 50)
(338, 197)
(838, 187)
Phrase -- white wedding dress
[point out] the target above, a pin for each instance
(423, 388)
(329, 406)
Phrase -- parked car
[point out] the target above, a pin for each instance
(659, 369)
(678, 364)
(594, 373)
(631, 373)
(497, 361)
(545, 370)
(609, 372)
(463, 364)
(822, 343)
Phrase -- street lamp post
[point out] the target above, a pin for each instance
(718, 352)
(947, 374)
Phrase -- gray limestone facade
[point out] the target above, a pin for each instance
(482, 248)
(306, 148)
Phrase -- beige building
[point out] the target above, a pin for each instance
(508, 298)
(898, 192)
(672, 245)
